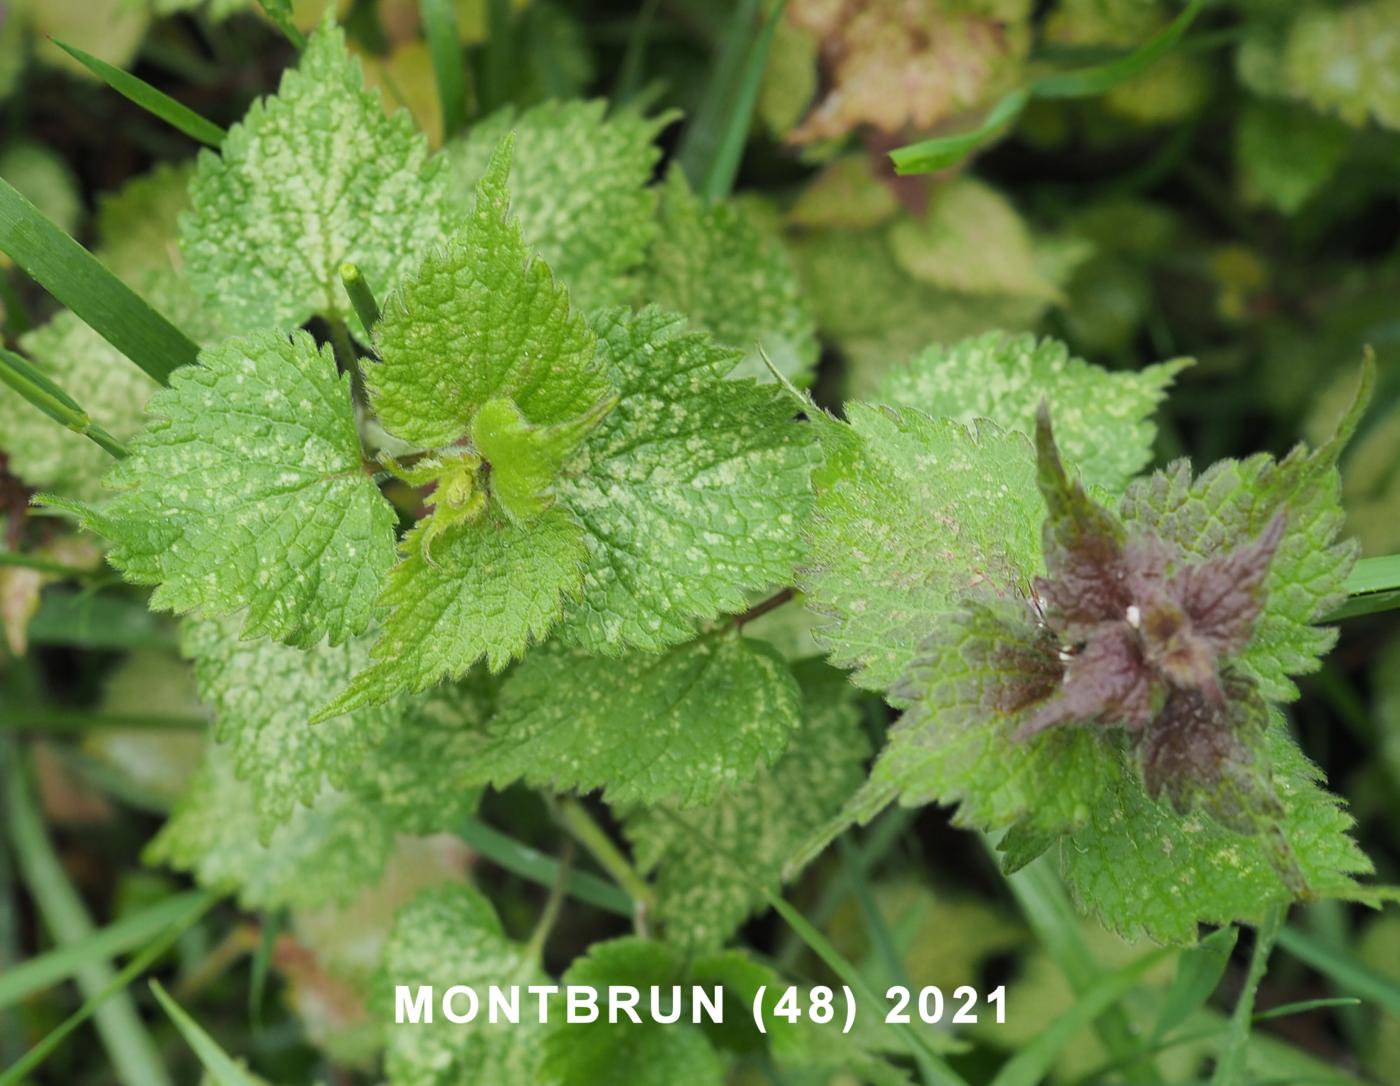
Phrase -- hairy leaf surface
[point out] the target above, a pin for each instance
(915, 513)
(683, 725)
(312, 177)
(447, 936)
(1101, 418)
(247, 489)
(712, 865)
(690, 492)
(730, 274)
(579, 187)
(482, 318)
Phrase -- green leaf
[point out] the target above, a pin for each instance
(1286, 153)
(525, 458)
(263, 724)
(313, 177)
(730, 274)
(1198, 973)
(1344, 60)
(148, 98)
(1101, 417)
(579, 188)
(681, 726)
(957, 742)
(915, 512)
(971, 240)
(138, 225)
(447, 936)
(415, 773)
(248, 490)
(1237, 499)
(1143, 869)
(649, 1054)
(77, 279)
(220, 1068)
(322, 854)
(490, 588)
(482, 319)
(690, 492)
(765, 820)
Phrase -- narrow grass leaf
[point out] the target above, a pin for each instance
(48, 969)
(134, 1058)
(1230, 1064)
(449, 66)
(724, 166)
(79, 280)
(222, 1070)
(945, 151)
(1303, 1006)
(31, 383)
(1198, 972)
(704, 134)
(1342, 969)
(531, 864)
(1033, 1062)
(148, 98)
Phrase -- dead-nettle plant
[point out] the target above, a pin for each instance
(532, 520)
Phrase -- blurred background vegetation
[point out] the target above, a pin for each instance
(1239, 203)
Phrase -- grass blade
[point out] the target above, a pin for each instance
(34, 385)
(1102, 78)
(133, 1054)
(1303, 1006)
(79, 280)
(79, 720)
(1041, 895)
(1198, 973)
(1374, 585)
(63, 962)
(155, 102)
(1343, 970)
(1230, 1066)
(945, 151)
(1033, 1062)
(449, 66)
(724, 167)
(360, 295)
(222, 1070)
(701, 140)
(280, 12)
(541, 869)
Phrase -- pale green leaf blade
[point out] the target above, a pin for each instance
(487, 588)
(1142, 869)
(1101, 418)
(138, 224)
(323, 854)
(482, 319)
(680, 726)
(690, 493)
(313, 177)
(766, 820)
(971, 241)
(649, 1054)
(282, 759)
(915, 513)
(416, 773)
(447, 936)
(248, 489)
(217, 1063)
(729, 273)
(579, 188)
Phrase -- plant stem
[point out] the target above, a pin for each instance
(80, 720)
(1229, 1068)
(348, 358)
(360, 294)
(586, 831)
(135, 1059)
(1037, 889)
(449, 69)
(772, 603)
(43, 565)
(31, 383)
(534, 949)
